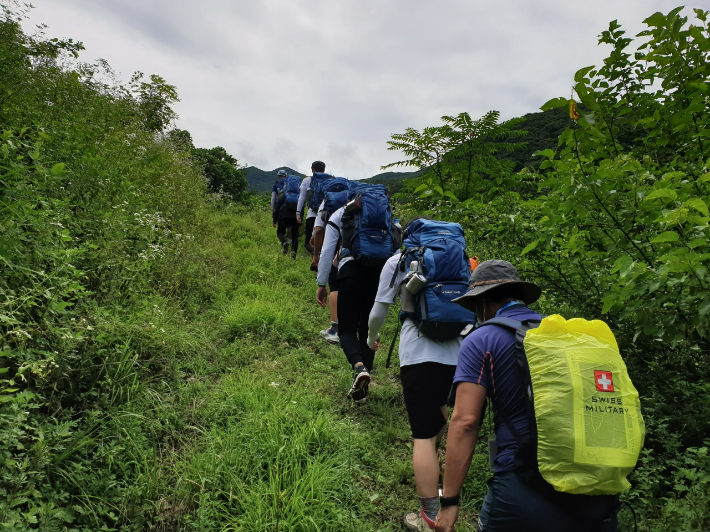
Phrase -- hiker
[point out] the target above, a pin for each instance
(309, 192)
(275, 189)
(330, 334)
(337, 192)
(360, 261)
(427, 365)
(284, 211)
(518, 497)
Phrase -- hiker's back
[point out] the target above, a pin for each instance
(369, 233)
(288, 195)
(435, 256)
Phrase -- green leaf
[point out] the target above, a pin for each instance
(554, 103)
(665, 193)
(544, 153)
(704, 307)
(58, 169)
(699, 205)
(582, 72)
(666, 236)
(7, 319)
(530, 247)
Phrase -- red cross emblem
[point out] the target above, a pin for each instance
(604, 381)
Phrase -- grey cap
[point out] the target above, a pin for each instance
(492, 274)
(282, 172)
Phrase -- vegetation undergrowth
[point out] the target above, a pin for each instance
(160, 362)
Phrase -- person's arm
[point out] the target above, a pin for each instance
(330, 243)
(273, 200)
(460, 444)
(302, 199)
(378, 314)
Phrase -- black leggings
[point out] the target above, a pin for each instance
(310, 222)
(282, 231)
(357, 288)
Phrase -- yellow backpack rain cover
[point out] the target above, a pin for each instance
(590, 433)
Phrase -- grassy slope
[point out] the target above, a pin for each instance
(271, 435)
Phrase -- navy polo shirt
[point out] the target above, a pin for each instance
(487, 357)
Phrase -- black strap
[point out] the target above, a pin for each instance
(334, 226)
(526, 457)
(396, 335)
(400, 266)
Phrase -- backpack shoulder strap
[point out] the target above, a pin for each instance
(400, 266)
(526, 456)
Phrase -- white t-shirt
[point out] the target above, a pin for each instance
(414, 347)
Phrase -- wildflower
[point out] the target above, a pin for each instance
(274, 384)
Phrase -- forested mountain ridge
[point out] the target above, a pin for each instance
(543, 129)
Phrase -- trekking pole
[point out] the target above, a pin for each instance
(389, 355)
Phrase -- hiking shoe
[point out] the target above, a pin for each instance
(330, 336)
(414, 522)
(293, 255)
(358, 390)
(284, 246)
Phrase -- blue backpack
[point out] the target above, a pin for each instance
(337, 192)
(440, 249)
(369, 232)
(289, 192)
(316, 191)
(279, 185)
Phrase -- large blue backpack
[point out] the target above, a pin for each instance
(279, 185)
(316, 191)
(337, 192)
(440, 249)
(369, 232)
(289, 192)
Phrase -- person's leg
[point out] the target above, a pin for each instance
(310, 222)
(368, 291)
(426, 466)
(349, 315)
(425, 387)
(281, 234)
(294, 235)
(333, 307)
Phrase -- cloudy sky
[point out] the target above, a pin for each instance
(285, 82)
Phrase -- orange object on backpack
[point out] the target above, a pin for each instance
(474, 263)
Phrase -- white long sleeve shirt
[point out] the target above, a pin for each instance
(333, 231)
(305, 185)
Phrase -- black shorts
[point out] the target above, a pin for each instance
(333, 279)
(426, 388)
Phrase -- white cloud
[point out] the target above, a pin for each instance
(285, 82)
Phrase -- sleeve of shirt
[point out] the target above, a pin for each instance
(302, 194)
(472, 361)
(385, 294)
(330, 242)
(273, 199)
(377, 318)
(319, 216)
